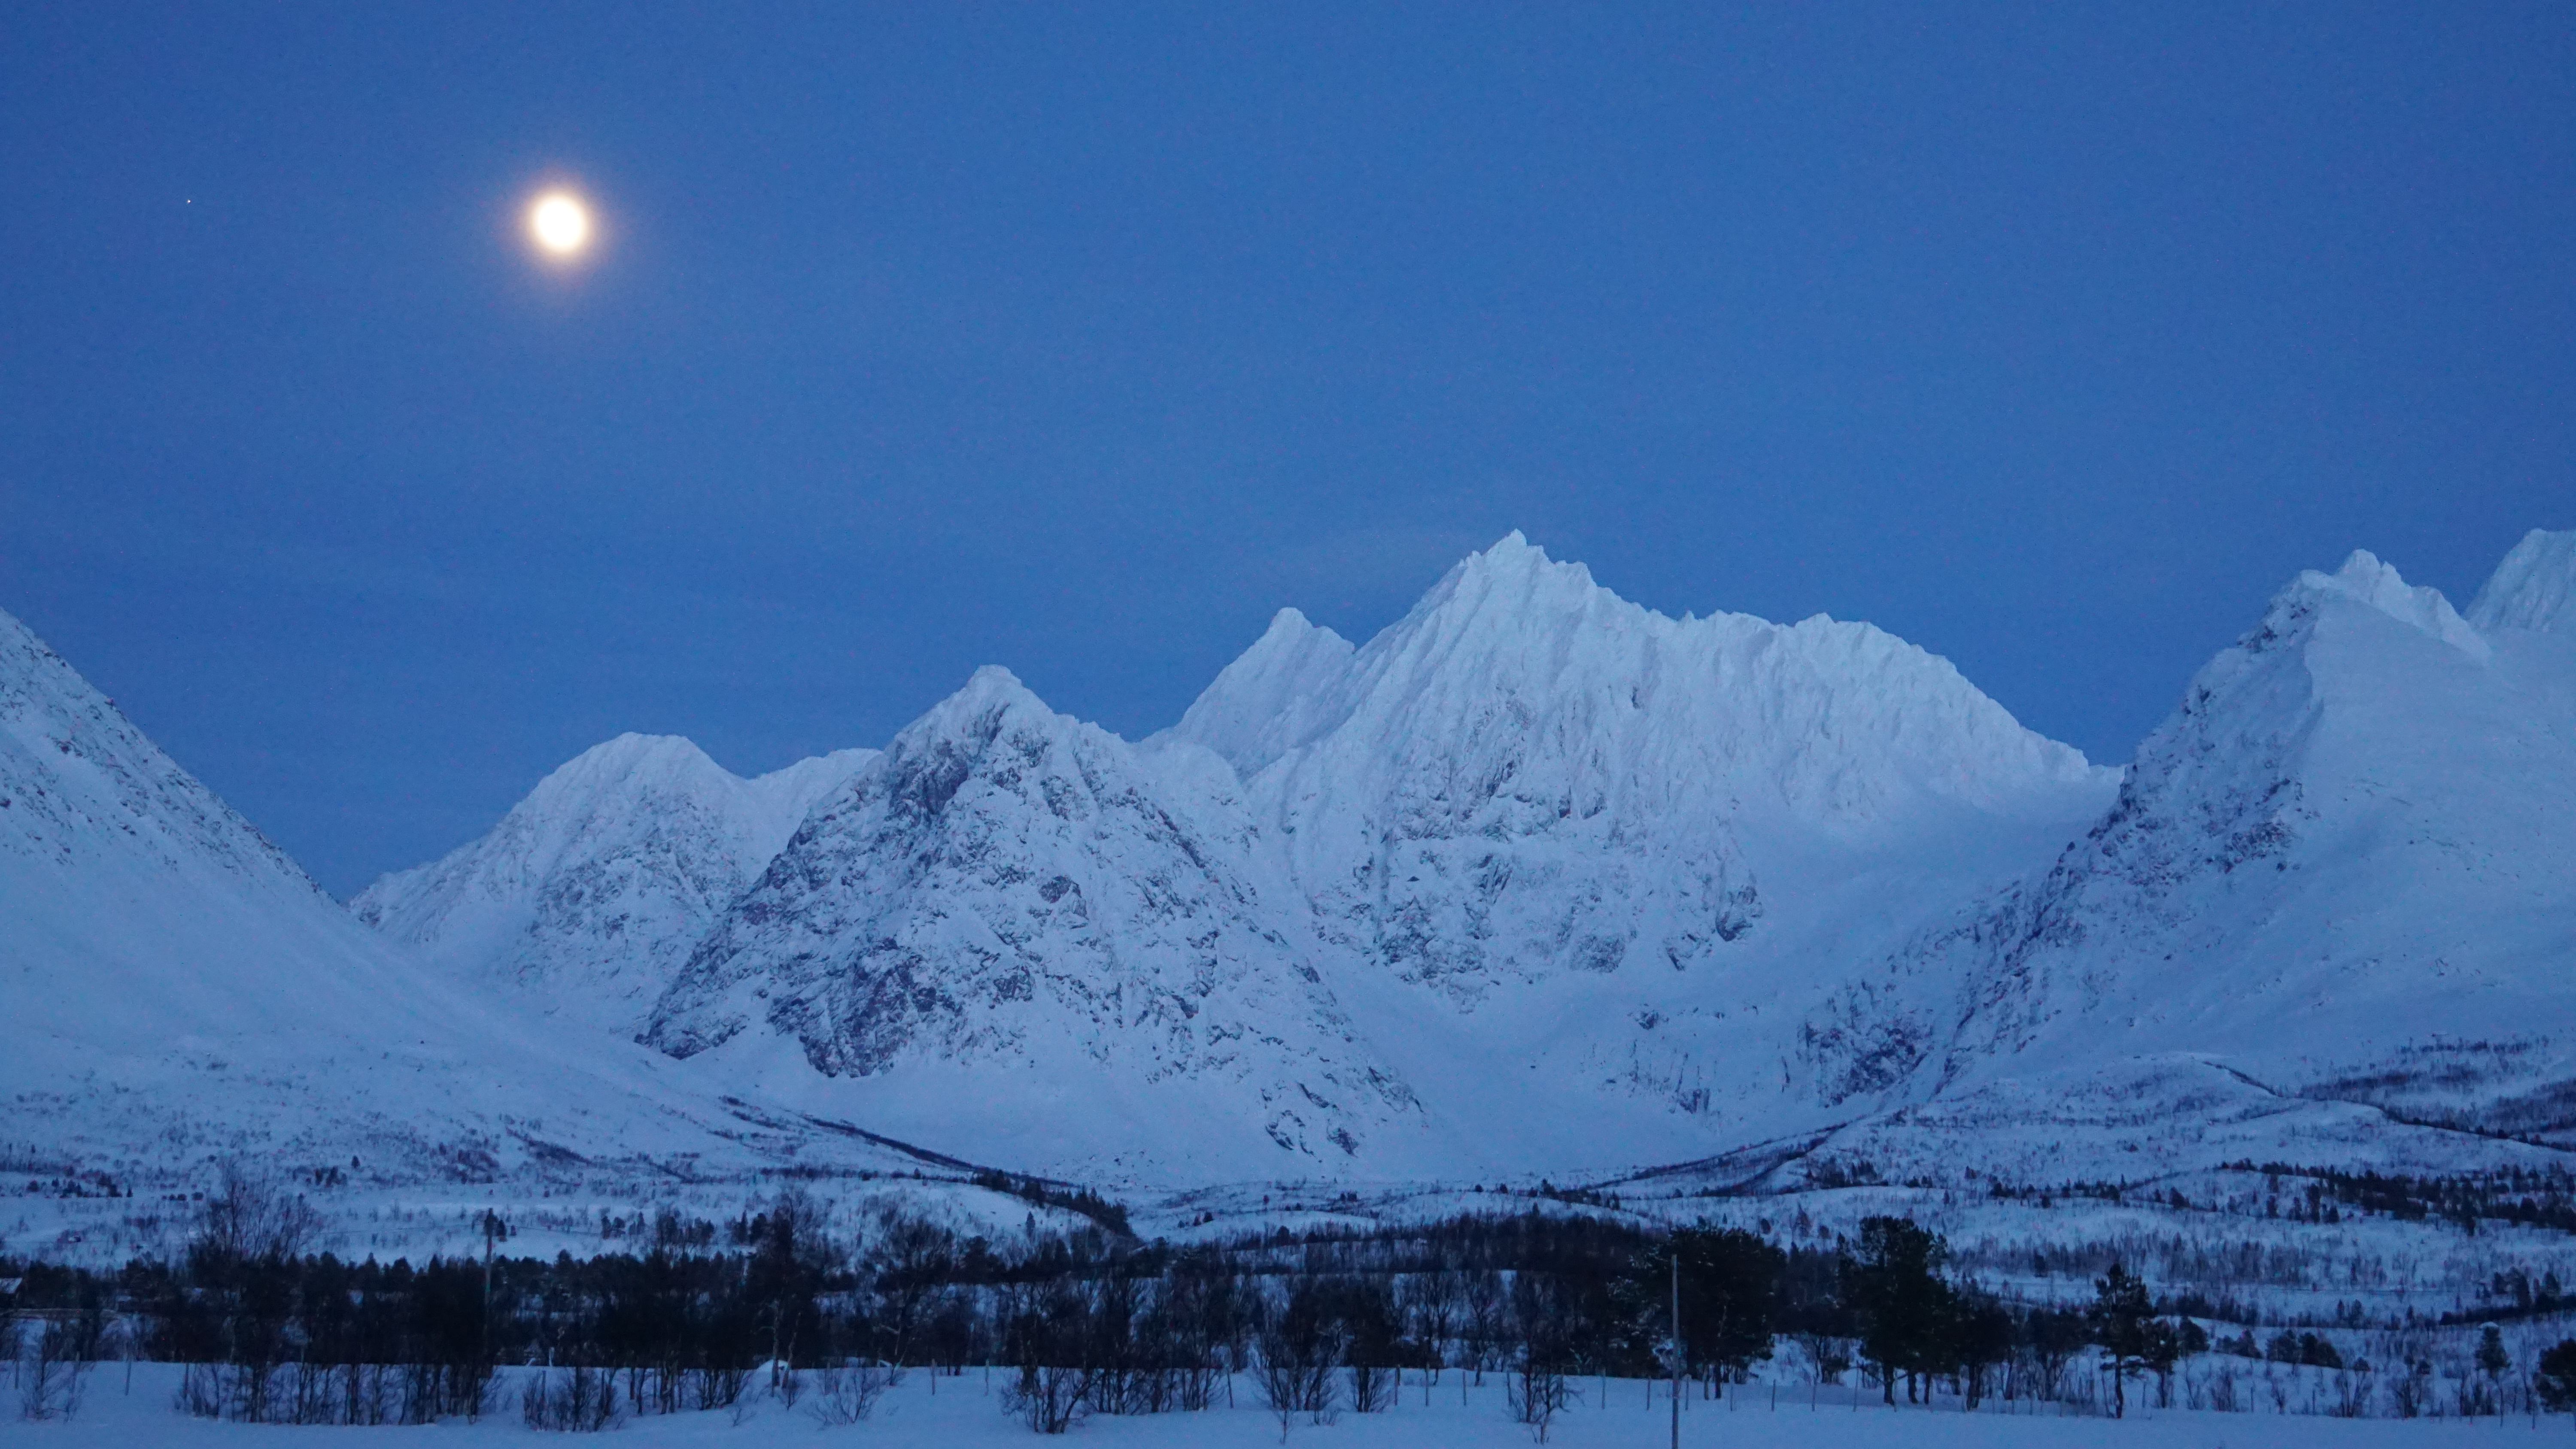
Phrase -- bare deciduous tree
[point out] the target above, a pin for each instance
(845, 1394)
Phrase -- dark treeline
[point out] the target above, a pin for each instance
(2520, 1196)
(691, 1314)
(2528, 1197)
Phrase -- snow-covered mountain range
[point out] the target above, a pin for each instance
(1535, 881)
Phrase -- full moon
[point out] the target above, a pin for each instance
(560, 223)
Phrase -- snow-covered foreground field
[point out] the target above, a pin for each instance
(964, 1412)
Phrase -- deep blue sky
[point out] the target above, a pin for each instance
(2050, 338)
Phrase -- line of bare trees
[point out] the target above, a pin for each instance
(692, 1315)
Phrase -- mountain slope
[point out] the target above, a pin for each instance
(591, 892)
(2343, 870)
(176, 988)
(2534, 589)
(1020, 933)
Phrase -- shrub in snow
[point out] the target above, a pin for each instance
(50, 1373)
(845, 1395)
(1538, 1391)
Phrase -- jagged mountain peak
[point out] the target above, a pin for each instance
(633, 753)
(1263, 701)
(1514, 558)
(2300, 704)
(614, 772)
(1012, 894)
(623, 766)
(1528, 777)
(1822, 716)
(995, 730)
(991, 690)
(2534, 588)
(1291, 634)
(1513, 584)
(2366, 579)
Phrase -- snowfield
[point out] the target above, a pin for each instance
(963, 1411)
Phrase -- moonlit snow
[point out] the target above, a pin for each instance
(964, 1414)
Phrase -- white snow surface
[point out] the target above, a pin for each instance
(590, 893)
(1778, 1410)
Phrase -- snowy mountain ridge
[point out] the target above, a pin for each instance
(1529, 774)
(2341, 870)
(1015, 907)
(592, 890)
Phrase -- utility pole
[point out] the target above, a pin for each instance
(493, 1230)
(1677, 1348)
